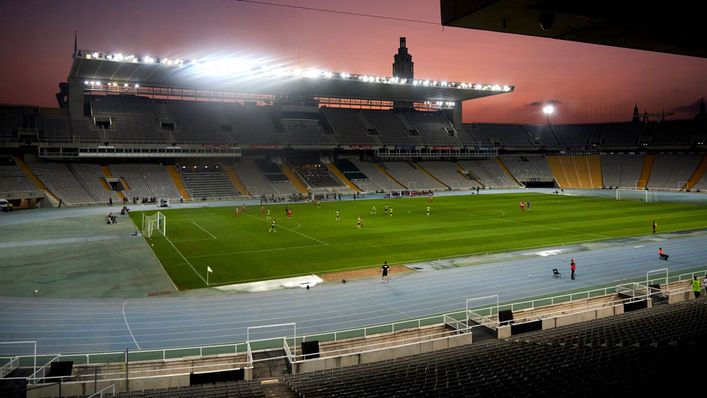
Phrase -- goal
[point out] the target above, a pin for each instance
(155, 222)
(636, 194)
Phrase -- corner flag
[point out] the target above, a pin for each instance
(208, 269)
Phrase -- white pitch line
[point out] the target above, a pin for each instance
(202, 228)
(256, 251)
(128, 326)
(292, 230)
(188, 263)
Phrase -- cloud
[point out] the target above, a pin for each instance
(691, 108)
(537, 104)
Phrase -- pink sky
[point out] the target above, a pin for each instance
(593, 83)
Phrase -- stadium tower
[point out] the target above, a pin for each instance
(403, 68)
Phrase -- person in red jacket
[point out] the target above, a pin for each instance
(573, 267)
(662, 254)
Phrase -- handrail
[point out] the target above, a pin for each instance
(11, 365)
(43, 370)
(100, 393)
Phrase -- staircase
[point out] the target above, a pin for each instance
(30, 174)
(271, 363)
(211, 184)
(697, 174)
(294, 179)
(508, 172)
(384, 171)
(236, 180)
(335, 171)
(177, 179)
(648, 161)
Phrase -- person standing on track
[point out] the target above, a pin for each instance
(573, 267)
(696, 286)
(654, 226)
(384, 272)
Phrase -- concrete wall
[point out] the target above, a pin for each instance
(569, 319)
(382, 354)
(83, 389)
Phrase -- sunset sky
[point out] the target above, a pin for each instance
(591, 83)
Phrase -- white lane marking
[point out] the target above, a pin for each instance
(202, 228)
(128, 326)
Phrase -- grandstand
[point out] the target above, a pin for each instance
(138, 129)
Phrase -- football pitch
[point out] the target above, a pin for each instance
(241, 248)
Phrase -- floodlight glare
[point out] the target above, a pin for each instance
(548, 109)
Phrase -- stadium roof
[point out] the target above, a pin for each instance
(238, 75)
(675, 27)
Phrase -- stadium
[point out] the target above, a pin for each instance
(231, 226)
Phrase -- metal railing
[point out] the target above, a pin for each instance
(11, 365)
(100, 393)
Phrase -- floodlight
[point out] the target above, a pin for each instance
(345, 75)
(85, 82)
(148, 60)
(548, 109)
(137, 85)
(506, 88)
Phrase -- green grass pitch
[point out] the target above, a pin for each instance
(240, 249)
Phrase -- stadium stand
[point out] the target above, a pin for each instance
(317, 176)
(90, 177)
(233, 389)
(376, 176)
(504, 135)
(145, 180)
(488, 172)
(390, 127)
(449, 173)
(621, 170)
(608, 356)
(582, 172)
(411, 176)
(672, 171)
(348, 126)
(62, 182)
(13, 179)
(253, 178)
(433, 127)
(208, 183)
(528, 168)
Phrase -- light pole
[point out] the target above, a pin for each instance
(548, 109)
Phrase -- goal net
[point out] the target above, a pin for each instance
(642, 195)
(155, 222)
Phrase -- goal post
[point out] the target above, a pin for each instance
(154, 222)
(642, 195)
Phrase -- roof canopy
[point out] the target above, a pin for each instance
(104, 68)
